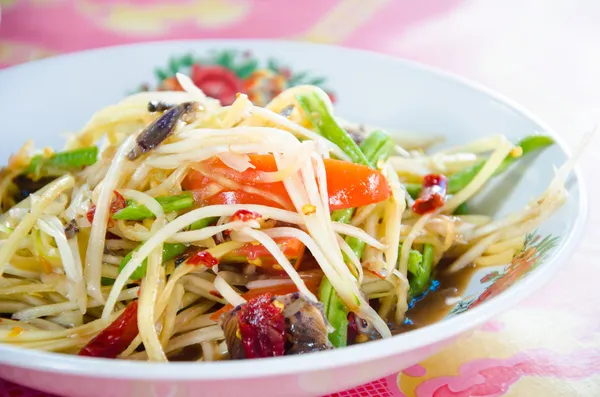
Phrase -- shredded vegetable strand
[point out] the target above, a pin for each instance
(393, 219)
(93, 257)
(228, 292)
(147, 316)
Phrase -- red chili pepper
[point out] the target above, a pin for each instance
(262, 327)
(433, 194)
(117, 204)
(203, 258)
(215, 293)
(245, 216)
(115, 338)
(90, 214)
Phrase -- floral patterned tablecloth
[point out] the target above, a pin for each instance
(539, 52)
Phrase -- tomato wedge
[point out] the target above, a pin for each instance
(258, 255)
(349, 185)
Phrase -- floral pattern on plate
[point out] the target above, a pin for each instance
(222, 74)
(535, 250)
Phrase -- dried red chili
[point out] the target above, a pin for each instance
(262, 328)
(203, 258)
(90, 214)
(115, 338)
(433, 194)
(117, 204)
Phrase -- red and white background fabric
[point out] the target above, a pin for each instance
(542, 53)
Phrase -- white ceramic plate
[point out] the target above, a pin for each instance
(44, 99)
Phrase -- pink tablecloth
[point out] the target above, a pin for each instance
(548, 346)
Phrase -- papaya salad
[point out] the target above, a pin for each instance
(173, 228)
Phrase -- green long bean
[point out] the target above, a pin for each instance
(325, 124)
(373, 143)
(462, 209)
(62, 162)
(169, 251)
(415, 259)
(529, 144)
(204, 222)
(421, 271)
(136, 212)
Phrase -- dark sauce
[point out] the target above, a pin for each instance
(432, 305)
(188, 353)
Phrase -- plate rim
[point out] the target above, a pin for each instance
(352, 355)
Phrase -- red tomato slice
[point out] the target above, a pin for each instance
(349, 185)
(291, 247)
(239, 197)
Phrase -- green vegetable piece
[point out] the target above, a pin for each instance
(374, 142)
(202, 223)
(422, 274)
(413, 189)
(325, 291)
(357, 246)
(135, 212)
(459, 180)
(326, 126)
(343, 216)
(338, 318)
(107, 281)
(61, 162)
(384, 152)
(415, 260)
(335, 312)
(462, 209)
(529, 144)
(169, 252)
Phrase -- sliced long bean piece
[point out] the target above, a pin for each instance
(421, 272)
(136, 212)
(204, 222)
(170, 251)
(62, 162)
(325, 124)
